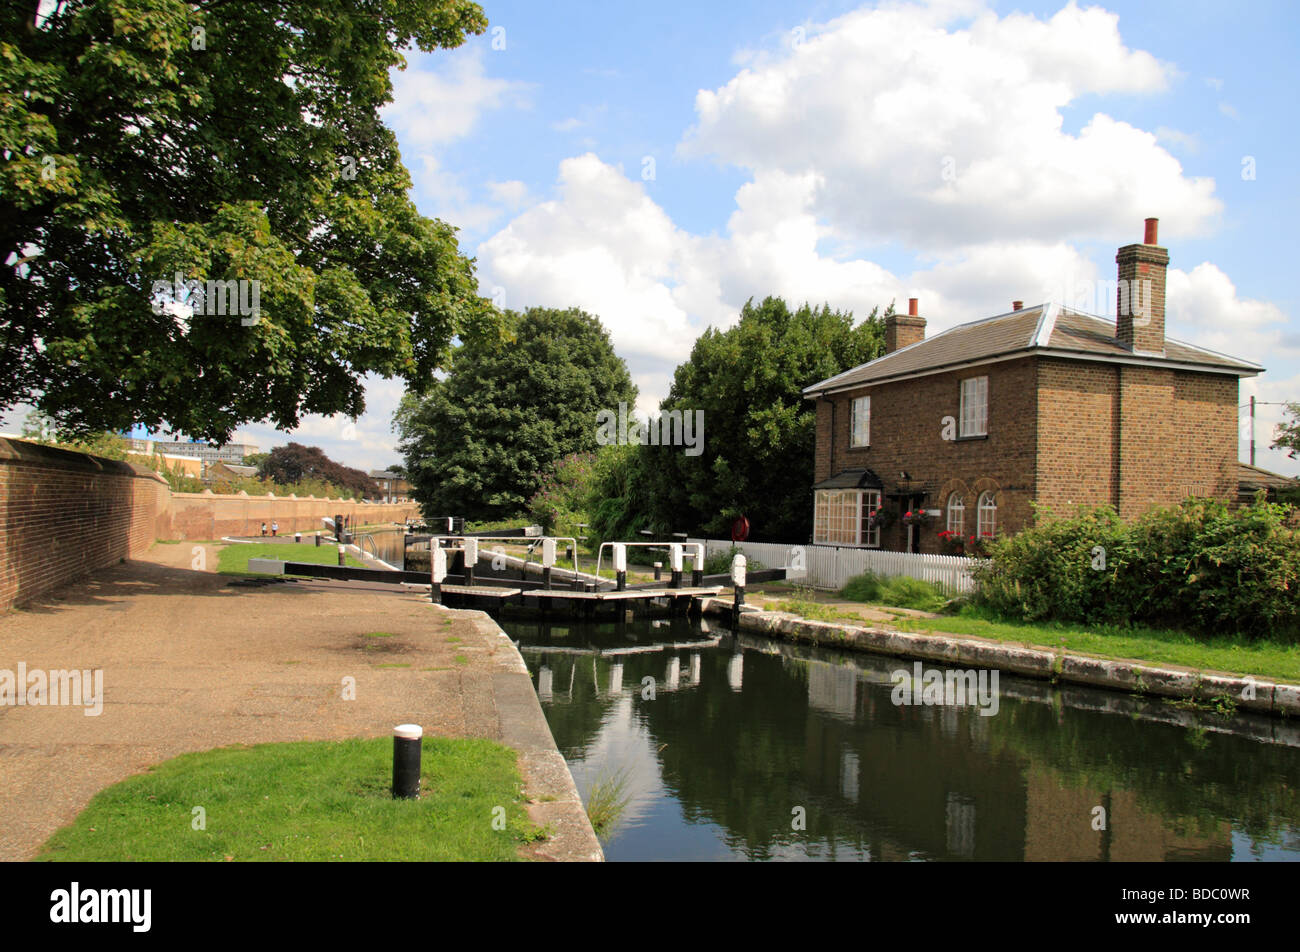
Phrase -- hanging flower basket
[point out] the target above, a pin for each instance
(915, 517)
(879, 519)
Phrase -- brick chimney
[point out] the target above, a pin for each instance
(902, 331)
(1140, 299)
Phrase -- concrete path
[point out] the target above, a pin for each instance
(190, 663)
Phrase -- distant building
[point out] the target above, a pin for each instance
(224, 471)
(207, 452)
(393, 487)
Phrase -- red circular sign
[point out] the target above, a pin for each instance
(740, 530)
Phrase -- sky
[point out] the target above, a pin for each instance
(659, 164)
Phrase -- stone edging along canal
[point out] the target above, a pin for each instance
(547, 780)
(1269, 697)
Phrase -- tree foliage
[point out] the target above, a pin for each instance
(219, 140)
(296, 464)
(757, 458)
(482, 441)
(1287, 434)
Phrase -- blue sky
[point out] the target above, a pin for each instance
(657, 164)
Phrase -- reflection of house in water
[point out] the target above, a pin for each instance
(833, 688)
(1059, 826)
(923, 782)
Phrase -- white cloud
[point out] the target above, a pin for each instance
(602, 245)
(947, 136)
(513, 194)
(1203, 308)
(1184, 140)
(438, 99)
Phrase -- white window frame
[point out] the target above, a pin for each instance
(957, 507)
(836, 510)
(860, 422)
(987, 516)
(973, 416)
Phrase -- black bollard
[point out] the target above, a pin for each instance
(342, 557)
(659, 571)
(406, 761)
(697, 577)
(318, 540)
(621, 581)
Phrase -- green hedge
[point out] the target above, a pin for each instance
(1198, 566)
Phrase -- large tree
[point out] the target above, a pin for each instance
(294, 463)
(481, 442)
(218, 140)
(759, 431)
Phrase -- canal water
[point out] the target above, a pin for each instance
(387, 542)
(740, 748)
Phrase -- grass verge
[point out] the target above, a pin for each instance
(1231, 654)
(307, 801)
(233, 559)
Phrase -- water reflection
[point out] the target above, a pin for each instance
(723, 738)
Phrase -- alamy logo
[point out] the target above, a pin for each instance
(103, 905)
(58, 688)
(1122, 297)
(667, 428)
(934, 687)
(211, 298)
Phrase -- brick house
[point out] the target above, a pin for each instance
(1042, 404)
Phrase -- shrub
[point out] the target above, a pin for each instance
(904, 591)
(1198, 565)
(863, 588)
(560, 502)
(901, 591)
(719, 563)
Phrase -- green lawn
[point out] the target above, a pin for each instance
(305, 801)
(233, 558)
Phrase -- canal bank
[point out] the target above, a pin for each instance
(1258, 695)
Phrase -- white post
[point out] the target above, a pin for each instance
(620, 565)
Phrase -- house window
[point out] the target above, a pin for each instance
(842, 517)
(974, 406)
(861, 422)
(987, 525)
(870, 503)
(956, 513)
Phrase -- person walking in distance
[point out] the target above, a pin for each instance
(275, 528)
(264, 528)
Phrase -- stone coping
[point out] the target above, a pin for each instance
(1252, 694)
(554, 797)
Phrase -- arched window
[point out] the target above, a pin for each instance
(956, 513)
(988, 516)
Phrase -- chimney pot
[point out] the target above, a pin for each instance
(1017, 305)
(1151, 229)
(911, 307)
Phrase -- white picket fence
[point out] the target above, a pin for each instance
(829, 567)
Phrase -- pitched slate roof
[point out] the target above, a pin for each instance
(852, 479)
(1253, 477)
(1048, 330)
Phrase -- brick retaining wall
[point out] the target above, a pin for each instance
(64, 514)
